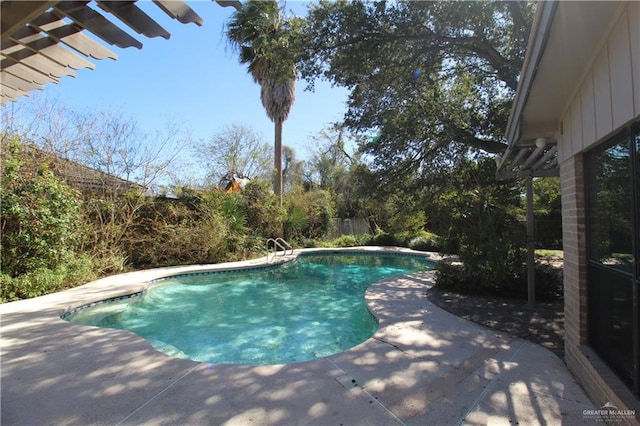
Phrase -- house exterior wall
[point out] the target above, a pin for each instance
(602, 103)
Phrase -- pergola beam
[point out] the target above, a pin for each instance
(43, 41)
(15, 14)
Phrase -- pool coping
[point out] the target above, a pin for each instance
(156, 275)
(422, 366)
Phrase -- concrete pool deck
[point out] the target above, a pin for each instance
(424, 366)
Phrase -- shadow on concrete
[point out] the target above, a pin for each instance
(423, 366)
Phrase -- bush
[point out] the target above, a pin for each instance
(40, 216)
(426, 241)
(382, 238)
(262, 209)
(308, 215)
(203, 228)
(478, 281)
(549, 282)
(345, 241)
(43, 281)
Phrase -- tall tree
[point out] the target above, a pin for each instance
(429, 81)
(293, 169)
(235, 148)
(261, 34)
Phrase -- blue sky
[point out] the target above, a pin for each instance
(194, 78)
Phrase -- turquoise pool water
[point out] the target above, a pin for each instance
(310, 308)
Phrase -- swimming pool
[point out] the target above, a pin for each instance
(302, 310)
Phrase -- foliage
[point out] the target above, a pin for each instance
(547, 209)
(428, 80)
(308, 215)
(39, 216)
(478, 217)
(382, 238)
(349, 241)
(53, 238)
(426, 241)
(262, 209)
(292, 170)
(42, 280)
(105, 140)
(263, 38)
(401, 213)
(430, 86)
(460, 278)
(237, 149)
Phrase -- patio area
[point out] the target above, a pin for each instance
(423, 366)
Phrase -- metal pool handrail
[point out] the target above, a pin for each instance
(279, 243)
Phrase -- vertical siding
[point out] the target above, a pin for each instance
(566, 144)
(587, 105)
(621, 74)
(609, 95)
(634, 37)
(602, 94)
(576, 125)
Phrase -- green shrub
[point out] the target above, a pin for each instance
(108, 261)
(345, 241)
(43, 281)
(40, 217)
(8, 291)
(382, 238)
(308, 215)
(349, 240)
(296, 223)
(458, 278)
(309, 243)
(262, 209)
(426, 241)
(549, 283)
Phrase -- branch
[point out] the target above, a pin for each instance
(489, 146)
(432, 42)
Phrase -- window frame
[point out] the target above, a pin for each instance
(595, 306)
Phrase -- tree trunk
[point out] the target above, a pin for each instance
(277, 160)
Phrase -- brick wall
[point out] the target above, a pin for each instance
(600, 383)
(575, 256)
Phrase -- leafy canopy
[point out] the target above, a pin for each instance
(428, 80)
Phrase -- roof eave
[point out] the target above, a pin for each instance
(537, 41)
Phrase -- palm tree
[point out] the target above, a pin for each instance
(259, 32)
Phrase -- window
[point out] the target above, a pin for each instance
(610, 208)
(613, 233)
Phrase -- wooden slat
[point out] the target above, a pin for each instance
(38, 62)
(36, 41)
(88, 18)
(553, 163)
(135, 18)
(546, 157)
(533, 157)
(70, 35)
(26, 73)
(15, 14)
(180, 11)
(518, 158)
(11, 93)
(33, 33)
(18, 83)
(230, 3)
